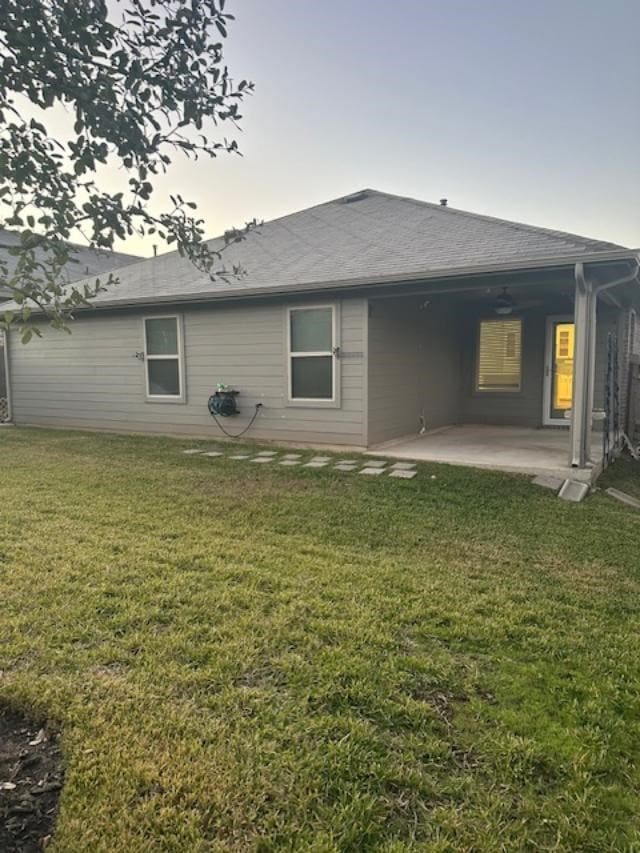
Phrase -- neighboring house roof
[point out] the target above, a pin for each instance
(368, 236)
(84, 262)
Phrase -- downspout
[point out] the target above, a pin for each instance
(582, 363)
(585, 319)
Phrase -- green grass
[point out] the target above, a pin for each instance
(245, 657)
(624, 475)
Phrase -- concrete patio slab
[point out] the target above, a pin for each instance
(316, 463)
(240, 456)
(267, 453)
(519, 450)
(213, 453)
(262, 459)
(372, 471)
(376, 463)
(343, 466)
(289, 462)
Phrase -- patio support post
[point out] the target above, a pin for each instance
(584, 369)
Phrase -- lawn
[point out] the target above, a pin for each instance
(249, 657)
(624, 475)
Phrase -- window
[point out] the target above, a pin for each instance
(565, 341)
(163, 358)
(499, 355)
(311, 353)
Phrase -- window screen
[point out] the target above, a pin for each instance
(163, 357)
(311, 353)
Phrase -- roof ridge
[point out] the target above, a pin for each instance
(335, 200)
(518, 226)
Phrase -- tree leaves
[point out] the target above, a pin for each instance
(138, 83)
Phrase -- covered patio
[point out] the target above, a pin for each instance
(511, 372)
(520, 450)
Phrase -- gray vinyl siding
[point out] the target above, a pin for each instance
(92, 378)
(414, 367)
(399, 362)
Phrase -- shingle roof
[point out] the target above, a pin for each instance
(85, 262)
(368, 234)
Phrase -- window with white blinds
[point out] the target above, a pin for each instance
(499, 355)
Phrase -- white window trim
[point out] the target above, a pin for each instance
(315, 402)
(476, 380)
(165, 398)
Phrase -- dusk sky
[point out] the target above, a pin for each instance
(521, 110)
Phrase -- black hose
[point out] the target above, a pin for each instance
(246, 429)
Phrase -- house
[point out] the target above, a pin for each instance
(370, 321)
(84, 262)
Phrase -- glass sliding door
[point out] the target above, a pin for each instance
(558, 397)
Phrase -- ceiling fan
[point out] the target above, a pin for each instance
(504, 304)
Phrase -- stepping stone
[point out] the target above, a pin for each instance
(292, 456)
(289, 462)
(262, 459)
(267, 453)
(403, 466)
(213, 453)
(403, 474)
(343, 466)
(376, 463)
(240, 456)
(193, 450)
(573, 491)
(316, 463)
(548, 482)
(623, 497)
(372, 471)
(321, 459)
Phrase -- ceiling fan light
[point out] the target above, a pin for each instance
(504, 303)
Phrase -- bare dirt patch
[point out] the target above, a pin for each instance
(31, 777)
